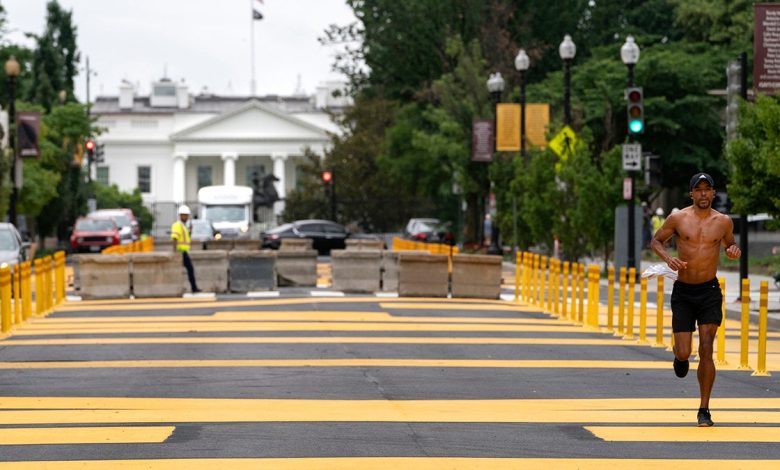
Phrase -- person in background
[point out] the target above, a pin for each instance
(658, 219)
(180, 234)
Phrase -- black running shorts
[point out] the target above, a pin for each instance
(696, 302)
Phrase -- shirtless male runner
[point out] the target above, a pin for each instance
(696, 296)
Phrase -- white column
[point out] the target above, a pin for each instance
(229, 168)
(179, 187)
(280, 172)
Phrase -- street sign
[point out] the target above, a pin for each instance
(632, 157)
(28, 127)
(482, 140)
(766, 48)
(508, 127)
(563, 143)
(627, 188)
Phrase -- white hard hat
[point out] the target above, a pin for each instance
(184, 210)
(659, 211)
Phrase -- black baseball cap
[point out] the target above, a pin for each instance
(701, 176)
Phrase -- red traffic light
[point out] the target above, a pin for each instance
(327, 176)
(89, 145)
(634, 96)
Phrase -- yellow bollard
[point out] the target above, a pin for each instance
(642, 311)
(550, 283)
(630, 301)
(745, 330)
(542, 280)
(534, 277)
(565, 301)
(575, 289)
(621, 301)
(593, 296)
(581, 309)
(527, 277)
(557, 288)
(38, 287)
(49, 283)
(59, 277)
(26, 291)
(762, 320)
(659, 320)
(6, 317)
(517, 276)
(610, 299)
(17, 283)
(721, 357)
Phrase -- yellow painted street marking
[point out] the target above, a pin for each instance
(685, 434)
(128, 304)
(506, 307)
(136, 327)
(97, 410)
(319, 340)
(392, 463)
(294, 316)
(85, 435)
(156, 300)
(472, 363)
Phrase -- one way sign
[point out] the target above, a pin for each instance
(632, 157)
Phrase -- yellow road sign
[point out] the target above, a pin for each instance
(563, 143)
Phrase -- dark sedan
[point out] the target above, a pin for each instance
(325, 235)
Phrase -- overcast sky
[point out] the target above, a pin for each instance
(205, 42)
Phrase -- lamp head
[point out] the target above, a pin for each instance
(629, 52)
(567, 49)
(522, 62)
(12, 67)
(495, 83)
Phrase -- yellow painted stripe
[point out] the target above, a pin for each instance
(127, 304)
(293, 316)
(38, 329)
(393, 463)
(685, 434)
(64, 410)
(506, 307)
(470, 363)
(85, 435)
(320, 340)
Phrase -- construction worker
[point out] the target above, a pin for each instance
(180, 234)
(657, 220)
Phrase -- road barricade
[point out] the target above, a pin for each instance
(222, 244)
(252, 270)
(476, 276)
(296, 268)
(156, 274)
(296, 244)
(423, 275)
(356, 270)
(103, 276)
(364, 244)
(246, 245)
(163, 245)
(211, 271)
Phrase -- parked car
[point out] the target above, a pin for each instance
(325, 235)
(429, 230)
(129, 230)
(91, 234)
(203, 231)
(12, 249)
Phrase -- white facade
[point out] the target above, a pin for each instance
(172, 144)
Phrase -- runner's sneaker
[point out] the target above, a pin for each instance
(681, 368)
(705, 419)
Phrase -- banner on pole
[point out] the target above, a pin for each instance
(508, 127)
(482, 140)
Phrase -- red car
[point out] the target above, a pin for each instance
(93, 234)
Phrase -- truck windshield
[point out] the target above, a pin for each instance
(231, 213)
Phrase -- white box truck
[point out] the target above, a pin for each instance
(228, 208)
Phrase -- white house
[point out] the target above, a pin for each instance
(171, 143)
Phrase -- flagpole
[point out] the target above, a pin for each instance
(252, 48)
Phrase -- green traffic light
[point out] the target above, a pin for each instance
(636, 126)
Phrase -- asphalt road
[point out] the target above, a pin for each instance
(360, 382)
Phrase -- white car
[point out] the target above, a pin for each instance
(122, 220)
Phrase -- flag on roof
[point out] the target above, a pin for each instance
(256, 14)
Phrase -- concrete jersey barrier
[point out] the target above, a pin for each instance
(356, 270)
(296, 268)
(423, 275)
(157, 274)
(211, 271)
(296, 244)
(364, 244)
(476, 276)
(104, 276)
(252, 270)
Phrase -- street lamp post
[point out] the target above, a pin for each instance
(629, 54)
(522, 62)
(12, 70)
(495, 85)
(567, 51)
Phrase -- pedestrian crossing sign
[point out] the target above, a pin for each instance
(563, 143)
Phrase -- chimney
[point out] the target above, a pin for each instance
(182, 96)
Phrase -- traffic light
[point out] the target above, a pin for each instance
(636, 110)
(327, 181)
(733, 93)
(89, 146)
(653, 170)
(99, 153)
